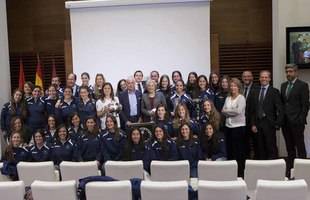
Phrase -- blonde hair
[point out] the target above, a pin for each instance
(238, 84)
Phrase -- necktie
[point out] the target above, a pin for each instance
(245, 92)
(289, 88)
(139, 87)
(262, 95)
(261, 113)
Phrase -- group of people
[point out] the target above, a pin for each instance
(203, 119)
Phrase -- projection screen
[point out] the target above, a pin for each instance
(118, 37)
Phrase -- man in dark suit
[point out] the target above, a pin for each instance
(248, 90)
(140, 84)
(71, 82)
(267, 117)
(295, 97)
(130, 100)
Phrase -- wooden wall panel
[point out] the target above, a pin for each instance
(215, 61)
(242, 21)
(36, 25)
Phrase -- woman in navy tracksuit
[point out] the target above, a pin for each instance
(89, 144)
(50, 130)
(113, 140)
(40, 151)
(51, 99)
(63, 148)
(213, 144)
(15, 107)
(182, 115)
(204, 92)
(209, 115)
(75, 128)
(161, 147)
(181, 97)
(86, 105)
(135, 147)
(17, 125)
(162, 119)
(36, 118)
(27, 89)
(189, 148)
(222, 94)
(65, 106)
(13, 154)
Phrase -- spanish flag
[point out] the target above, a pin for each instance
(39, 76)
(21, 80)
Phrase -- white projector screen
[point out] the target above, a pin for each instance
(117, 37)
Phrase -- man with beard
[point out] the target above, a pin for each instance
(295, 98)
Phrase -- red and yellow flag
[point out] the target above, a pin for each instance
(21, 80)
(39, 76)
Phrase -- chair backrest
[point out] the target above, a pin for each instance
(263, 169)
(171, 190)
(3, 177)
(31, 171)
(282, 190)
(12, 190)
(218, 170)
(302, 170)
(77, 170)
(124, 170)
(45, 190)
(223, 190)
(170, 170)
(120, 190)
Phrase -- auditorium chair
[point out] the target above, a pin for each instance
(3, 177)
(120, 190)
(45, 190)
(281, 190)
(170, 170)
(77, 170)
(218, 170)
(169, 190)
(222, 190)
(12, 190)
(124, 170)
(263, 169)
(42, 171)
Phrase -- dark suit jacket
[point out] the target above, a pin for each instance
(124, 101)
(296, 105)
(249, 102)
(144, 86)
(146, 104)
(272, 106)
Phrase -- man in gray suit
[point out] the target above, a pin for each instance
(295, 98)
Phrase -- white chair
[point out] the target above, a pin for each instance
(44, 190)
(223, 190)
(120, 190)
(263, 169)
(3, 177)
(124, 170)
(282, 190)
(77, 170)
(170, 170)
(12, 190)
(171, 190)
(218, 170)
(31, 171)
(302, 170)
